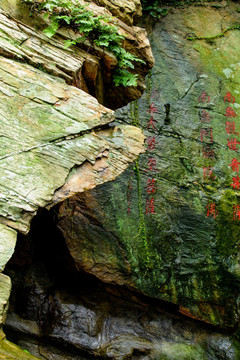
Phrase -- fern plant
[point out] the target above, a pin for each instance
(97, 29)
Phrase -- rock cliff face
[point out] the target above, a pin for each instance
(118, 270)
(56, 137)
(58, 312)
(175, 216)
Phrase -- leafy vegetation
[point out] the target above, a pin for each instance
(153, 8)
(156, 9)
(94, 28)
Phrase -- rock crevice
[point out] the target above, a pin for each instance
(56, 136)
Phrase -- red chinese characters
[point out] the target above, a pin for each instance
(230, 124)
(235, 165)
(208, 152)
(236, 182)
(208, 172)
(204, 97)
(155, 95)
(151, 164)
(206, 134)
(152, 109)
(151, 141)
(230, 112)
(150, 206)
(232, 144)
(151, 186)
(236, 212)
(151, 123)
(212, 210)
(229, 97)
(230, 127)
(205, 117)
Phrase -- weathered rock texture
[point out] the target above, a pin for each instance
(125, 10)
(162, 219)
(8, 238)
(54, 137)
(89, 67)
(61, 314)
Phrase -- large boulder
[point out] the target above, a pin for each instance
(174, 217)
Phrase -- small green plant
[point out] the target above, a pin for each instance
(26, 351)
(155, 8)
(152, 8)
(96, 29)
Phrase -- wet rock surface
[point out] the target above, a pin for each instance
(57, 312)
(55, 138)
(167, 228)
(174, 214)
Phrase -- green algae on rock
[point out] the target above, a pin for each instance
(52, 133)
(97, 320)
(193, 236)
(9, 351)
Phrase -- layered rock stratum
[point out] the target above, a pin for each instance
(185, 248)
(55, 137)
(160, 243)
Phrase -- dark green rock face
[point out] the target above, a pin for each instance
(173, 216)
(57, 312)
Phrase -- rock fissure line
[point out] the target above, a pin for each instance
(190, 87)
(54, 141)
(231, 28)
(35, 166)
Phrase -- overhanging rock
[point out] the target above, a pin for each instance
(47, 133)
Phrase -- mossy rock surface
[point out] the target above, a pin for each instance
(185, 247)
(9, 351)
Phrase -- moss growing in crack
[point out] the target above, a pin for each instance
(142, 227)
(142, 234)
(233, 27)
(134, 113)
(156, 8)
(149, 88)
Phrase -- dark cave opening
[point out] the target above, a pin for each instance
(40, 267)
(58, 312)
